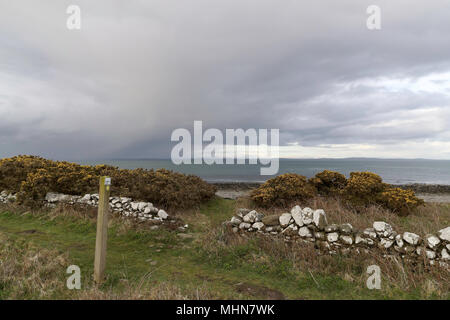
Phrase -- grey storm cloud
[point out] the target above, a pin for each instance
(137, 70)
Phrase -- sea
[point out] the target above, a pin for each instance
(393, 171)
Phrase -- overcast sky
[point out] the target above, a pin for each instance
(137, 70)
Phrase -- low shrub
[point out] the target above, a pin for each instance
(363, 188)
(329, 183)
(282, 190)
(400, 201)
(366, 188)
(360, 191)
(32, 177)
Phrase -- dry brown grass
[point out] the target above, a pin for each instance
(397, 276)
(30, 272)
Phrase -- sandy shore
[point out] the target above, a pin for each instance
(429, 193)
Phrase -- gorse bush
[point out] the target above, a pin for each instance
(367, 188)
(32, 177)
(329, 182)
(400, 201)
(361, 190)
(282, 190)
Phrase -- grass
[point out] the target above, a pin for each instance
(37, 247)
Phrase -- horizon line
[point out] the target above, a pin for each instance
(280, 158)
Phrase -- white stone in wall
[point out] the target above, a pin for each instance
(444, 234)
(142, 206)
(370, 232)
(360, 240)
(383, 228)
(320, 219)
(258, 225)
(244, 225)
(52, 197)
(296, 213)
(86, 197)
(386, 243)
(284, 219)
(411, 238)
(346, 239)
(432, 241)
(332, 237)
(445, 255)
(250, 217)
(399, 241)
(304, 232)
(307, 215)
(430, 254)
(134, 206)
(147, 210)
(162, 214)
(235, 221)
(124, 200)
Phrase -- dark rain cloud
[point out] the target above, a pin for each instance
(137, 70)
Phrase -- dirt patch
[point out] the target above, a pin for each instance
(259, 291)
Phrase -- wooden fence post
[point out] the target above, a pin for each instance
(102, 229)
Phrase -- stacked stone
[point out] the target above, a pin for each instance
(6, 197)
(311, 226)
(122, 205)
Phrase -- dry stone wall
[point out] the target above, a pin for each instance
(312, 226)
(143, 211)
